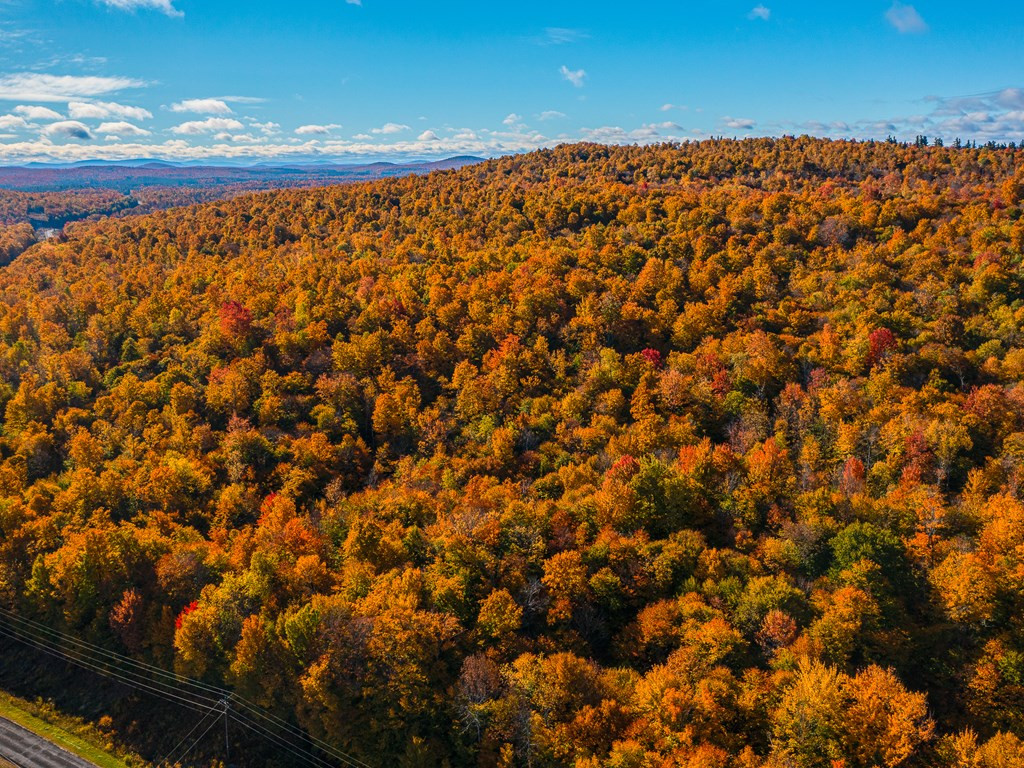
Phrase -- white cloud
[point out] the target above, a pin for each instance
(101, 110)
(1012, 98)
(614, 134)
(550, 114)
(760, 12)
(164, 6)
(739, 123)
(67, 129)
(354, 2)
(241, 99)
(202, 106)
(512, 119)
(182, 150)
(232, 147)
(37, 113)
(9, 122)
(993, 116)
(122, 128)
(238, 137)
(75, 59)
(390, 128)
(561, 36)
(209, 125)
(267, 129)
(574, 76)
(996, 115)
(35, 86)
(906, 19)
(316, 130)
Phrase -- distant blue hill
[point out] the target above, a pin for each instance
(126, 175)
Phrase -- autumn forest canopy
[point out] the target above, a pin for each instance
(684, 455)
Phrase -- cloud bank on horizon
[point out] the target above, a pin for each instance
(386, 79)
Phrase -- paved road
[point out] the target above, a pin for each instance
(26, 750)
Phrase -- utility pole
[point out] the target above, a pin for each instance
(227, 745)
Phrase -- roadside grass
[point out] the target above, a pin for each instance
(73, 734)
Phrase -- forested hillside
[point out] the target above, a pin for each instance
(48, 199)
(701, 455)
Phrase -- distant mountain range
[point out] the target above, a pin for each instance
(125, 175)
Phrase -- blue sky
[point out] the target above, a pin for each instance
(394, 79)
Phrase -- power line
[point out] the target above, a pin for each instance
(307, 757)
(189, 698)
(185, 737)
(179, 680)
(319, 743)
(346, 759)
(96, 649)
(199, 738)
(50, 650)
(102, 666)
(183, 701)
(184, 681)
